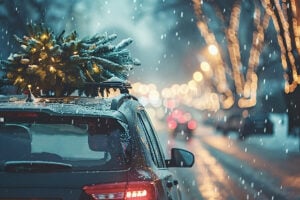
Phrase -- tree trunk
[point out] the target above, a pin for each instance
(293, 105)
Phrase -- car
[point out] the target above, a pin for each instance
(181, 122)
(83, 148)
(256, 124)
(233, 123)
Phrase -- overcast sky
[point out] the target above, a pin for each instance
(122, 18)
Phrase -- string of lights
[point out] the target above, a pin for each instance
(220, 80)
(58, 65)
(234, 48)
(288, 37)
(250, 86)
(283, 28)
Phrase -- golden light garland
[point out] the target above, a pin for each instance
(246, 87)
(296, 23)
(246, 90)
(219, 70)
(234, 48)
(286, 48)
(250, 87)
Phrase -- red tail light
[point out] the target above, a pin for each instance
(172, 124)
(141, 190)
(21, 114)
(192, 124)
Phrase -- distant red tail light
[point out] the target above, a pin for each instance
(192, 125)
(172, 124)
(141, 190)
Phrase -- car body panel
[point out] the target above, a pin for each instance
(62, 185)
(67, 175)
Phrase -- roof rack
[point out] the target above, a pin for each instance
(115, 83)
(117, 102)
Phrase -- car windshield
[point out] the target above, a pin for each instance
(87, 145)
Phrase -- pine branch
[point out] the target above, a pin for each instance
(62, 64)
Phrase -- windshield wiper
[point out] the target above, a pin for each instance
(35, 166)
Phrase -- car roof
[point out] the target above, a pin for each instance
(71, 106)
(81, 106)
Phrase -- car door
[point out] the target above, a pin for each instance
(169, 183)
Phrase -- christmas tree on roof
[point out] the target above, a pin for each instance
(57, 65)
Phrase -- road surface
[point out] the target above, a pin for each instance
(228, 169)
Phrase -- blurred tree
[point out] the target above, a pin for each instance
(286, 16)
(181, 39)
(50, 64)
(16, 14)
(259, 38)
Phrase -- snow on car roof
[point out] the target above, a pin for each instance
(71, 105)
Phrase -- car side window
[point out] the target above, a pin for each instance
(152, 140)
(146, 140)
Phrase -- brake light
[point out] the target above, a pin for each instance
(22, 114)
(140, 190)
(192, 124)
(172, 124)
(181, 119)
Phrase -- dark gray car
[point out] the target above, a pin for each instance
(86, 148)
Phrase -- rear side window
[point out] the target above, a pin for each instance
(94, 144)
(149, 138)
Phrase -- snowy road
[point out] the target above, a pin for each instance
(228, 169)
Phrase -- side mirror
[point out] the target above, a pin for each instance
(180, 158)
